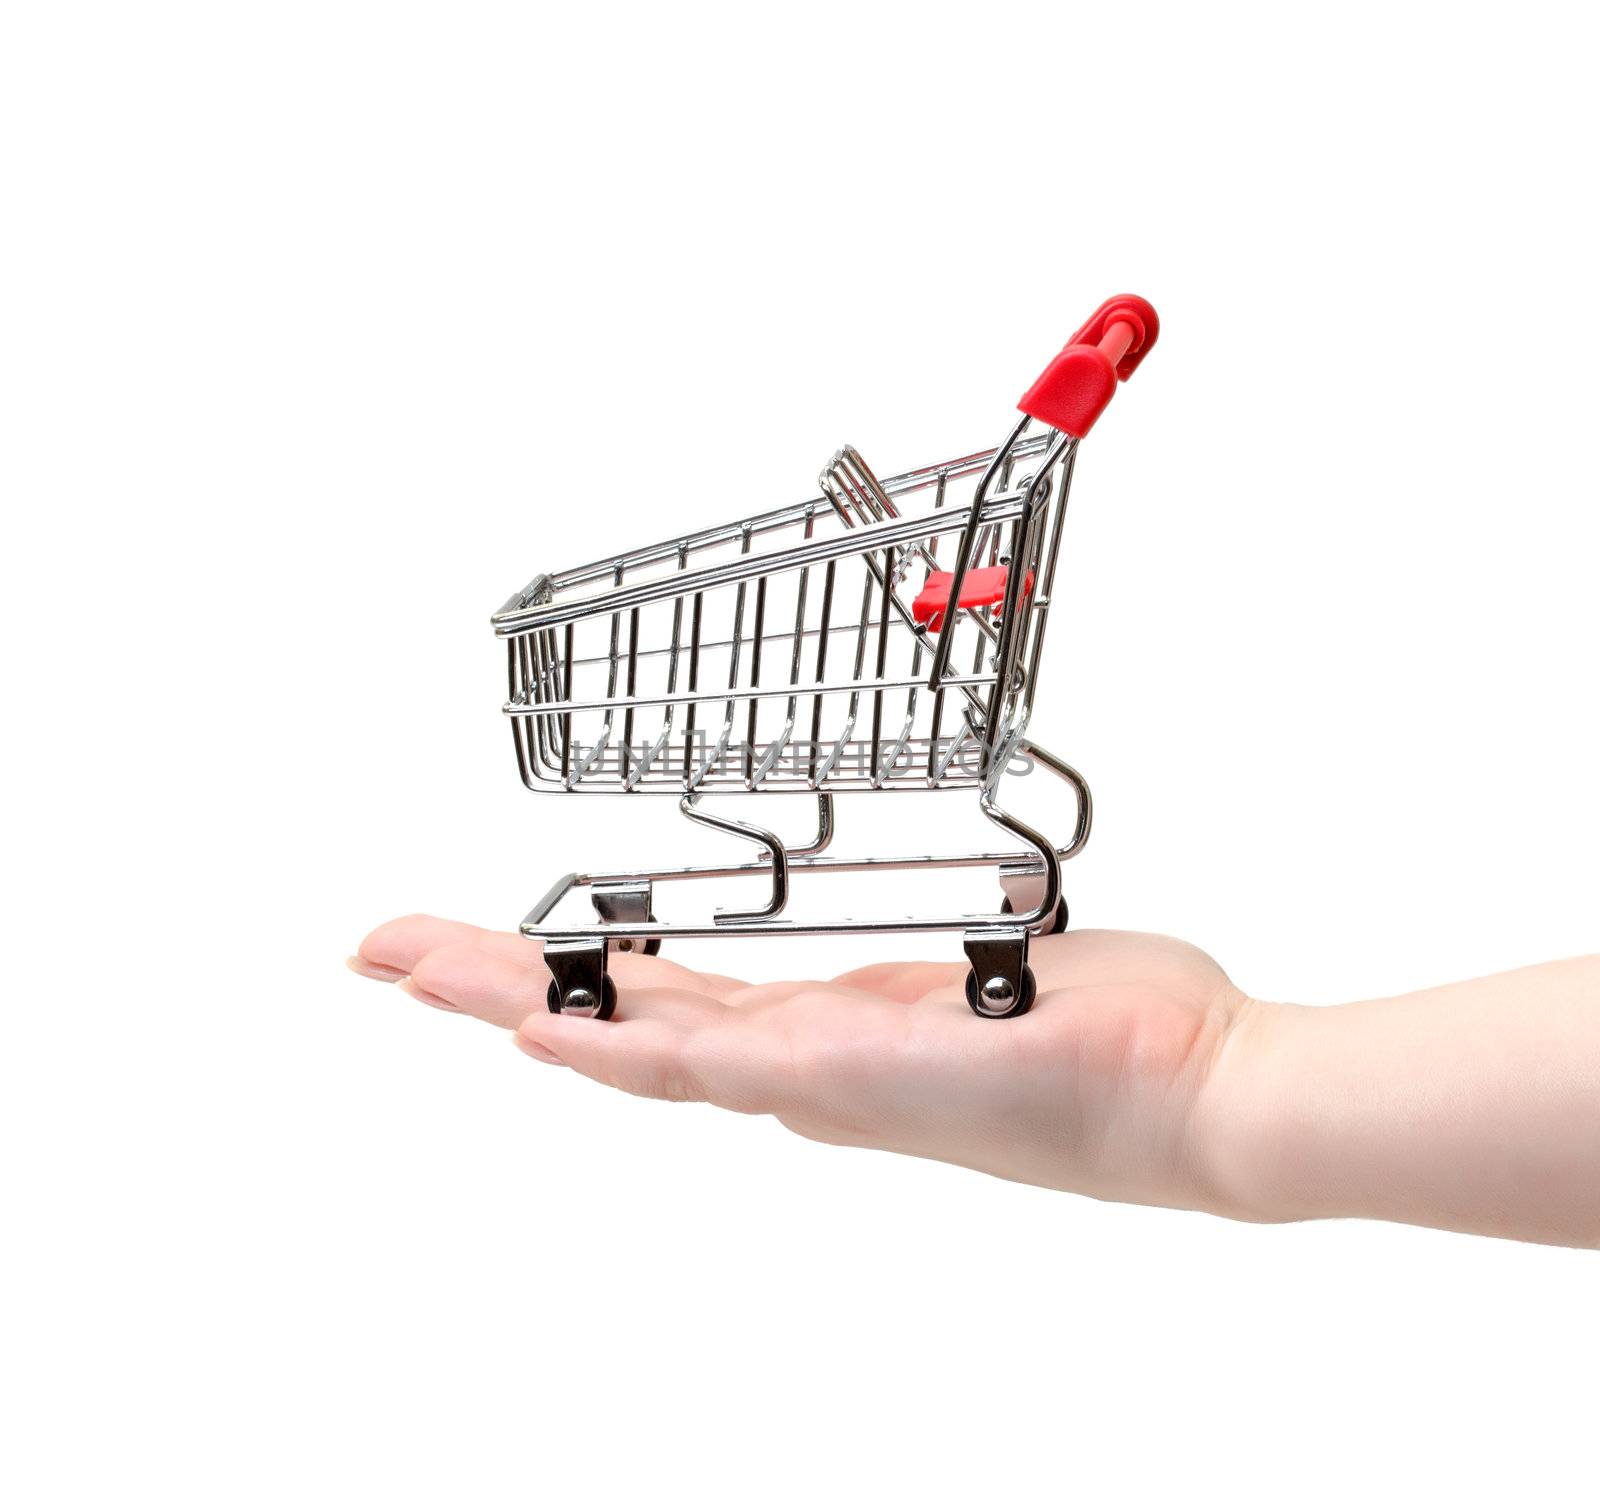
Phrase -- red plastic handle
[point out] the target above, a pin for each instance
(1074, 389)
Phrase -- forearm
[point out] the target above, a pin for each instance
(1471, 1107)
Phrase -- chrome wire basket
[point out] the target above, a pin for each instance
(886, 635)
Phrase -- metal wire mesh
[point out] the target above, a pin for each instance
(783, 651)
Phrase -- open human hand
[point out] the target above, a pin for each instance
(1106, 1087)
(1141, 1074)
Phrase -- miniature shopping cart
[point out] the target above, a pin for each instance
(883, 636)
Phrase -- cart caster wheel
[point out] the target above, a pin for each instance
(1058, 923)
(640, 946)
(585, 1005)
(995, 1001)
(621, 903)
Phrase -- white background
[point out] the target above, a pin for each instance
(326, 326)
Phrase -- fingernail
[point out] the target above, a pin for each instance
(378, 971)
(537, 1052)
(422, 995)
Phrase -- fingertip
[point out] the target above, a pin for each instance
(422, 996)
(376, 940)
(902, 982)
(379, 973)
(524, 1033)
(556, 1041)
(401, 942)
(535, 1032)
(442, 969)
(478, 980)
(535, 1050)
(643, 1057)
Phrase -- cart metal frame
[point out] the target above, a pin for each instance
(737, 660)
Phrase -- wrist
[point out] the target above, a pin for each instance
(1468, 1107)
(1246, 1114)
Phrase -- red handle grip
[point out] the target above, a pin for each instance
(1075, 388)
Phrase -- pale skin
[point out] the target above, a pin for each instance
(1142, 1074)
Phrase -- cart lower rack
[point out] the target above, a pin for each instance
(884, 636)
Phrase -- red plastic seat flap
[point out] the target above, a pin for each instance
(984, 587)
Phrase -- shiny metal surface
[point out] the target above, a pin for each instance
(618, 671)
(782, 652)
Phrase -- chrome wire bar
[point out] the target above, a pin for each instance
(1036, 856)
(883, 635)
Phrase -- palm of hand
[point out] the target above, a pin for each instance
(1099, 1089)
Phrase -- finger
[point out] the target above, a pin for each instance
(754, 997)
(721, 985)
(481, 979)
(397, 946)
(627, 969)
(642, 1057)
(905, 981)
(678, 1051)
(393, 951)
(637, 970)
(379, 973)
(513, 949)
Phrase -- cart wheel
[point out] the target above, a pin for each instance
(637, 947)
(608, 1000)
(1004, 1006)
(1057, 925)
